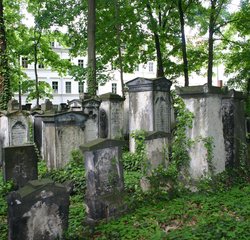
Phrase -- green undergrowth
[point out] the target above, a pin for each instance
(223, 215)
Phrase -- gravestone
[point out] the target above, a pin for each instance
(157, 155)
(91, 108)
(75, 105)
(149, 105)
(13, 105)
(38, 211)
(112, 105)
(20, 164)
(47, 106)
(62, 133)
(219, 115)
(104, 179)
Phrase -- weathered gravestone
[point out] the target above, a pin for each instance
(91, 108)
(61, 133)
(20, 164)
(38, 211)
(149, 105)
(111, 116)
(157, 155)
(218, 116)
(104, 179)
(14, 129)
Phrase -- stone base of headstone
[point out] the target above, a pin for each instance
(38, 211)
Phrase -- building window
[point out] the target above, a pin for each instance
(114, 88)
(81, 87)
(81, 63)
(55, 87)
(68, 87)
(40, 65)
(150, 67)
(52, 44)
(137, 68)
(25, 62)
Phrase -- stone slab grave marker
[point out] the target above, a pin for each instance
(20, 164)
(111, 123)
(149, 105)
(156, 150)
(38, 211)
(104, 179)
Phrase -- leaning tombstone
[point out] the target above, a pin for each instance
(104, 179)
(20, 164)
(38, 211)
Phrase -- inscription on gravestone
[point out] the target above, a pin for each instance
(18, 134)
(116, 120)
(162, 114)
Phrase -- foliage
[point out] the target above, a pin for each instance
(73, 171)
(137, 160)
(194, 216)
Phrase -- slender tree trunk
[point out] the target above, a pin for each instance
(183, 43)
(118, 32)
(36, 74)
(92, 83)
(160, 70)
(211, 43)
(5, 94)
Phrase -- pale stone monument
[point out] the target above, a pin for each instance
(149, 105)
(111, 116)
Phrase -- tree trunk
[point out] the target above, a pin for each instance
(92, 84)
(183, 43)
(211, 43)
(160, 70)
(36, 74)
(118, 32)
(5, 94)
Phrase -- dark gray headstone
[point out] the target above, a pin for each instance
(47, 105)
(13, 105)
(38, 211)
(104, 178)
(20, 164)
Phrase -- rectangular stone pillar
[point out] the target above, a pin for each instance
(111, 116)
(149, 105)
(104, 179)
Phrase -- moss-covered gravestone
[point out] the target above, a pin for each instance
(104, 178)
(38, 211)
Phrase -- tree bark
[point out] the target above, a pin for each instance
(36, 42)
(211, 43)
(118, 32)
(183, 43)
(92, 83)
(5, 94)
(160, 69)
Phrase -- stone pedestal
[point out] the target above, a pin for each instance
(38, 211)
(20, 164)
(111, 116)
(104, 179)
(216, 114)
(149, 105)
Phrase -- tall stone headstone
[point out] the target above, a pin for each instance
(111, 126)
(219, 115)
(91, 108)
(149, 105)
(38, 211)
(104, 179)
(20, 164)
